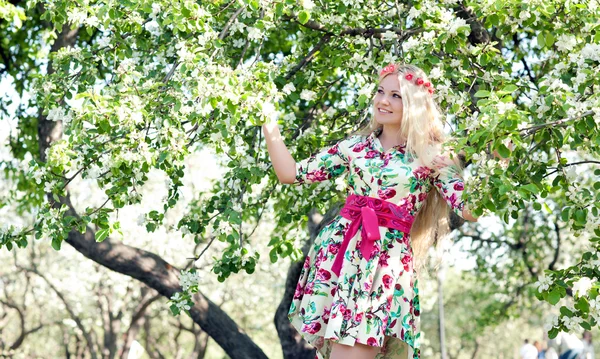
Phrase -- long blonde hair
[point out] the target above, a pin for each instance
(422, 127)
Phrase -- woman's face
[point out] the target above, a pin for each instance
(387, 104)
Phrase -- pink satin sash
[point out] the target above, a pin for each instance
(371, 213)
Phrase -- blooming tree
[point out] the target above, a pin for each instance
(132, 86)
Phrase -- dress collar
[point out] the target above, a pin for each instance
(375, 144)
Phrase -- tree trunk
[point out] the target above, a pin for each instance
(292, 344)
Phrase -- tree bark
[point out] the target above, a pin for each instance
(292, 344)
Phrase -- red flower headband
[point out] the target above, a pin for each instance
(419, 81)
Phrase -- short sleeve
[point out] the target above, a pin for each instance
(329, 163)
(449, 183)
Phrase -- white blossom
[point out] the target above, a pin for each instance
(543, 283)
(307, 4)
(455, 24)
(76, 15)
(308, 95)
(92, 21)
(566, 42)
(153, 28)
(582, 286)
(288, 88)
(188, 279)
(572, 322)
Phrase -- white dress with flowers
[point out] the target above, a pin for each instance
(373, 302)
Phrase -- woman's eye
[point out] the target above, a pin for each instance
(380, 91)
(397, 96)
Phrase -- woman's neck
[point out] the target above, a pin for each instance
(389, 135)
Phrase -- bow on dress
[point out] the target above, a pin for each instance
(369, 213)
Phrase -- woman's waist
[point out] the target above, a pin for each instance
(386, 212)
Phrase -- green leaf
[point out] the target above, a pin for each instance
(541, 40)
(303, 17)
(531, 188)
(482, 93)
(510, 88)
(554, 296)
(101, 234)
(503, 150)
(580, 216)
(56, 243)
(549, 40)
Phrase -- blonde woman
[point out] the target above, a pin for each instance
(358, 297)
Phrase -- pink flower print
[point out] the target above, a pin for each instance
(347, 313)
(372, 342)
(459, 186)
(333, 150)
(306, 263)
(387, 281)
(407, 262)
(386, 193)
(422, 172)
(386, 159)
(423, 196)
(299, 291)
(309, 288)
(321, 256)
(333, 290)
(367, 286)
(334, 248)
(453, 200)
(358, 317)
(325, 315)
(359, 147)
(311, 328)
(317, 175)
(372, 154)
(383, 259)
(323, 275)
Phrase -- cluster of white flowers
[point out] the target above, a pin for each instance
(254, 34)
(544, 283)
(566, 43)
(582, 286)
(127, 65)
(572, 323)
(308, 95)
(411, 44)
(551, 322)
(504, 107)
(180, 301)
(288, 88)
(188, 279)
(153, 27)
(185, 55)
(59, 114)
(307, 4)
(77, 15)
(455, 24)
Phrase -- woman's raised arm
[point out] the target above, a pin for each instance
(283, 162)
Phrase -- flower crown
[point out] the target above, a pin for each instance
(418, 81)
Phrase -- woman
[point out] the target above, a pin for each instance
(357, 296)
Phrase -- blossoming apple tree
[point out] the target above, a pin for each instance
(110, 89)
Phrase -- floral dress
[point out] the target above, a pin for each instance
(373, 302)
